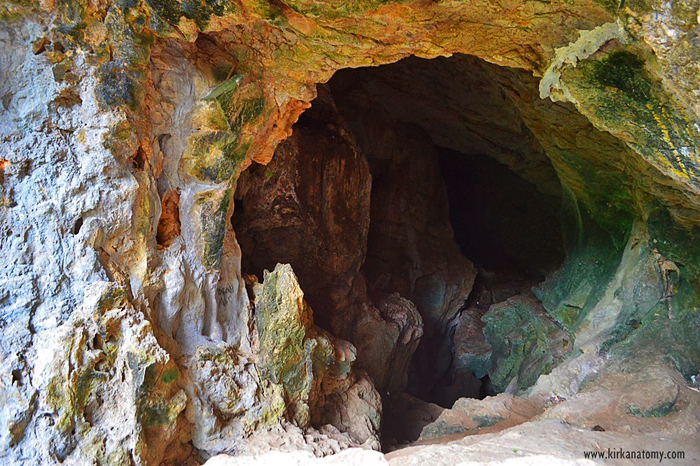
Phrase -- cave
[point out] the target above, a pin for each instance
(420, 183)
(371, 232)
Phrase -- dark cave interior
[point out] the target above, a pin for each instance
(500, 221)
(418, 178)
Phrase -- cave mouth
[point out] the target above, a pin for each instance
(410, 188)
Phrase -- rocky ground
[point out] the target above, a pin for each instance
(651, 410)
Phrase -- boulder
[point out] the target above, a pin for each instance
(526, 342)
(313, 369)
(405, 416)
(471, 416)
(386, 333)
(229, 399)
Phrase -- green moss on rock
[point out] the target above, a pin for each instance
(624, 71)
(525, 342)
(670, 331)
(620, 95)
(208, 159)
(214, 206)
(441, 428)
(283, 319)
(226, 119)
(159, 413)
(200, 11)
(225, 91)
(108, 351)
(679, 243)
(591, 261)
(293, 353)
(486, 420)
(658, 411)
(117, 86)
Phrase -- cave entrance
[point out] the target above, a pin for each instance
(409, 199)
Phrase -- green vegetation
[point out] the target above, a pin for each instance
(487, 420)
(658, 411)
(677, 243)
(592, 259)
(117, 87)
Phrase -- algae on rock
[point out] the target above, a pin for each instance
(116, 389)
(525, 342)
(107, 106)
(312, 367)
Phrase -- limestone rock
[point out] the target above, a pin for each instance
(405, 416)
(229, 400)
(547, 442)
(410, 249)
(525, 342)
(562, 426)
(655, 397)
(410, 246)
(309, 207)
(313, 368)
(386, 333)
(357, 411)
(198, 292)
(351, 457)
(646, 397)
(284, 216)
(470, 416)
(471, 350)
(286, 353)
(108, 388)
(284, 437)
(169, 223)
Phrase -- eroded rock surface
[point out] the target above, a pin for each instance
(313, 368)
(387, 332)
(525, 342)
(110, 386)
(309, 208)
(469, 416)
(410, 246)
(128, 336)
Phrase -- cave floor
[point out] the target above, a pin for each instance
(627, 416)
(638, 411)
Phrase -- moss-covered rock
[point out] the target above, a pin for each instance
(592, 258)
(225, 122)
(525, 342)
(286, 353)
(109, 368)
(313, 368)
(619, 90)
(230, 399)
(213, 208)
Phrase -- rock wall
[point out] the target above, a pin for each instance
(127, 328)
(310, 208)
